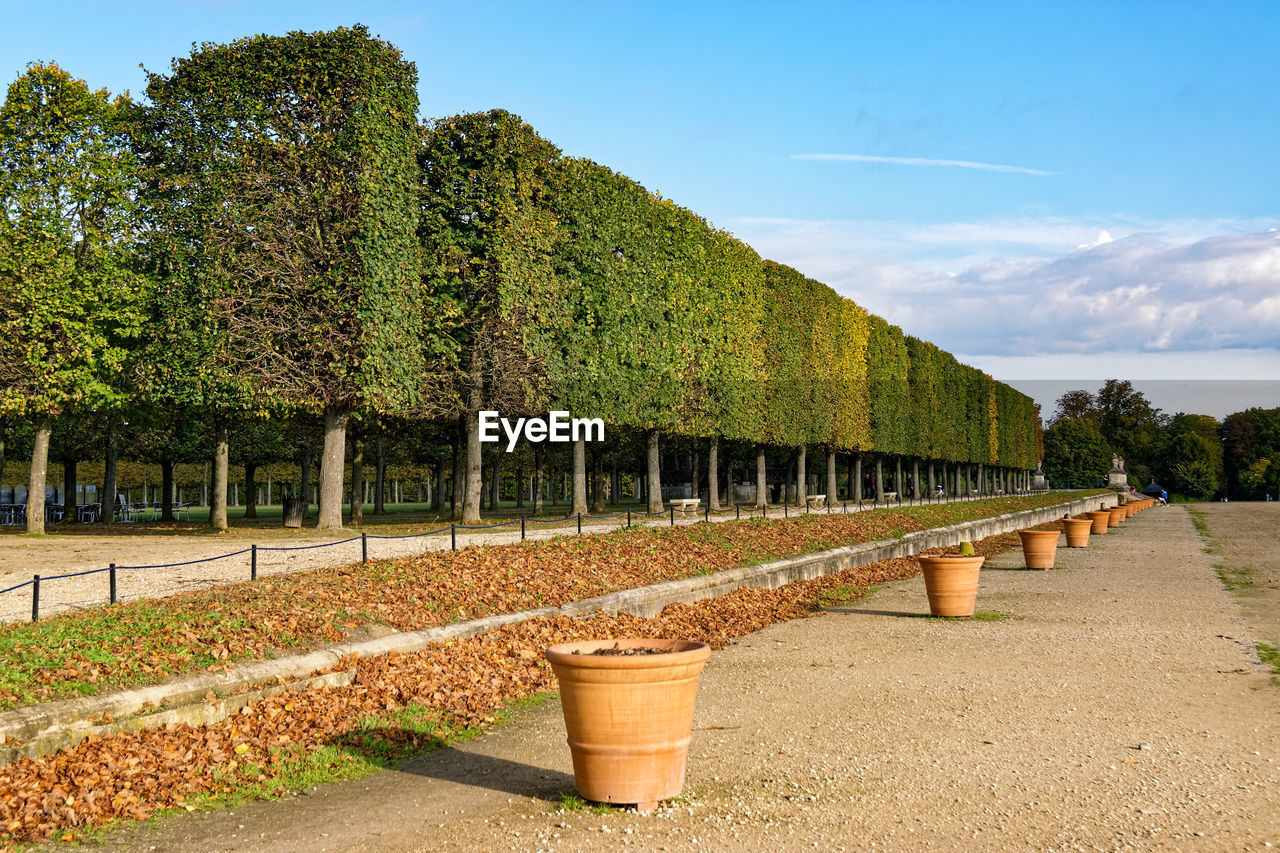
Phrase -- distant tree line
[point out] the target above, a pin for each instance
(272, 257)
(1192, 455)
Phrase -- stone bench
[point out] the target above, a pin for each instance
(686, 504)
(816, 501)
(890, 496)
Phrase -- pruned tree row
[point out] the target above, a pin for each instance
(272, 233)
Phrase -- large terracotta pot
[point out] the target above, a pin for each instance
(1039, 547)
(951, 582)
(1130, 510)
(1100, 518)
(629, 718)
(1077, 530)
(1117, 516)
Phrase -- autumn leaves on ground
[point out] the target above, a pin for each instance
(402, 704)
(146, 641)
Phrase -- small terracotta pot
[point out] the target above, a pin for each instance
(1099, 517)
(951, 582)
(1117, 514)
(1039, 547)
(1077, 530)
(629, 718)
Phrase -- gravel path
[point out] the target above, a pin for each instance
(21, 557)
(874, 729)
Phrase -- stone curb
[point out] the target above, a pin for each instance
(45, 728)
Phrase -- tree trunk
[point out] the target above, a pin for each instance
(304, 487)
(655, 473)
(579, 477)
(439, 484)
(857, 470)
(802, 475)
(762, 485)
(474, 465)
(380, 477)
(495, 483)
(538, 477)
(39, 471)
(597, 483)
(69, 490)
(897, 476)
(520, 483)
(110, 473)
(879, 480)
(615, 484)
(915, 478)
(218, 499)
(166, 491)
(357, 474)
(456, 472)
(250, 490)
(713, 474)
(933, 482)
(333, 465)
(832, 487)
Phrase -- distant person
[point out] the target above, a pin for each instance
(1164, 497)
(1268, 496)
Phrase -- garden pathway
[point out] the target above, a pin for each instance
(872, 728)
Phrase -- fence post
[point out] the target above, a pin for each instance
(253, 562)
(522, 528)
(364, 547)
(764, 510)
(628, 516)
(111, 573)
(673, 515)
(737, 512)
(579, 524)
(786, 510)
(35, 598)
(453, 537)
(706, 513)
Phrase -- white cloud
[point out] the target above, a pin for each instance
(1020, 289)
(925, 161)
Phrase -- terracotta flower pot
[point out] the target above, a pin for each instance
(1100, 518)
(1077, 530)
(1117, 515)
(629, 717)
(1130, 510)
(951, 582)
(1039, 547)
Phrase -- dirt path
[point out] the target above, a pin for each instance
(22, 557)
(874, 729)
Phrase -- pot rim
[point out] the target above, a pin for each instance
(683, 652)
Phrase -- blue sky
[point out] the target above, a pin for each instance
(1134, 237)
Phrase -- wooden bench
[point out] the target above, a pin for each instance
(817, 501)
(686, 504)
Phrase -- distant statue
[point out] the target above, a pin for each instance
(1117, 479)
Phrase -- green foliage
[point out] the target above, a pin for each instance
(887, 375)
(1251, 453)
(280, 175)
(1075, 453)
(72, 304)
(316, 248)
